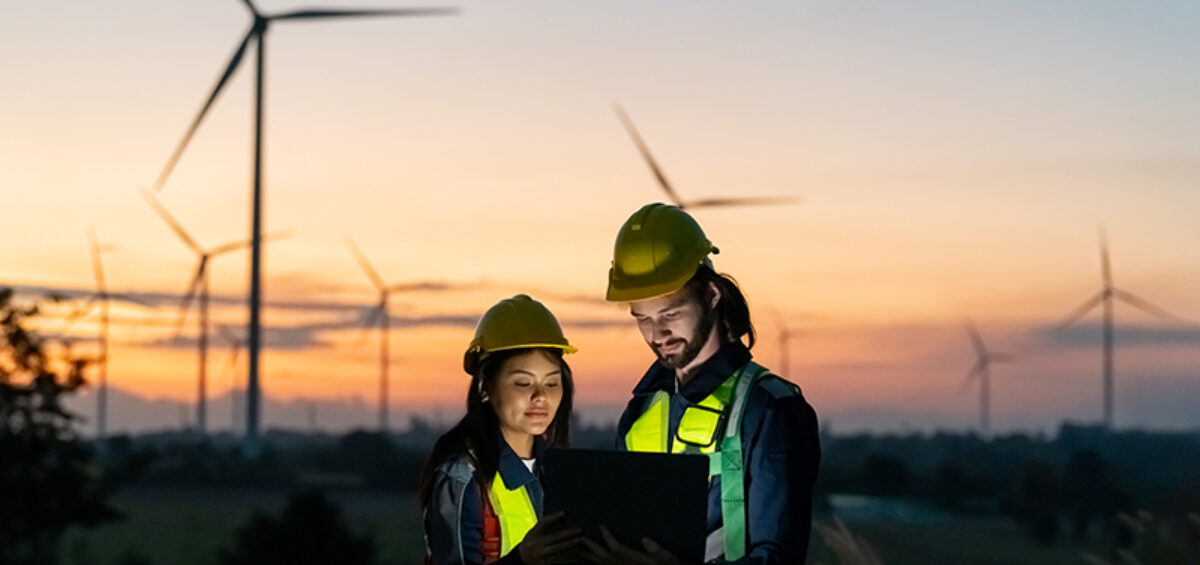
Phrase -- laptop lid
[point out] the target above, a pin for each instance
(656, 495)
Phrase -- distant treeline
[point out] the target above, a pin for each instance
(1075, 483)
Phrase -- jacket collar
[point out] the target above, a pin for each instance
(709, 375)
(512, 470)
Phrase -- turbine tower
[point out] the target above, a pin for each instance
(674, 196)
(1106, 298)
(258, 33)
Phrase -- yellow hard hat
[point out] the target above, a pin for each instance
(514, 323)
(658, 249)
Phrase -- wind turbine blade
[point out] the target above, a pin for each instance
(645, 151)
(372, 315)
(312, 14)
(97, 265)
(971, 377)
(236, 245)
(228, 334)
(1146, 306)
(1105, 264)
(187, 299)
(78, 313)
(234, 61)
(1082, 309)
(976, 339)
(170, 220)
(366, 265)
(747, 201)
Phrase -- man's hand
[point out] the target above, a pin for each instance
(542, 543)
(618, 554)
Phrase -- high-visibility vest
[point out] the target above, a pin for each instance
(720, 411)
(513, 510)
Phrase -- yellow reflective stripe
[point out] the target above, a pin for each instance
(515, 511)
(649, 431)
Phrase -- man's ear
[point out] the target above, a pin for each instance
(714, 296)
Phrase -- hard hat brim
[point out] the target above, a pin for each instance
(636, 292)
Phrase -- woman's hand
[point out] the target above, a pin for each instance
(618, 554)
(542, 543)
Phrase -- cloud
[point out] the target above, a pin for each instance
(1088, 335)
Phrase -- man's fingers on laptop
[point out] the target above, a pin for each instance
(661, 555)
(624, 554)
(556, 548)
(567, 534)
(594, 553)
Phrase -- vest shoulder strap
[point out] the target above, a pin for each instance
(778, 387)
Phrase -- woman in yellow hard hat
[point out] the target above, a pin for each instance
(480, 494)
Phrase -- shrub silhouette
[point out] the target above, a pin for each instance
(48, 478)
(310, 530)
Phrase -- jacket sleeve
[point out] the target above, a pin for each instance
(454, 522)
(780, 472)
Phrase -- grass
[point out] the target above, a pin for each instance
(190, 526)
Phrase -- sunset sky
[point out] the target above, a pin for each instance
(955, 160)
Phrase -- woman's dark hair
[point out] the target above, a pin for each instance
(733, 312)
(480, 428)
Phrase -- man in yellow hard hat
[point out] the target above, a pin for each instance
(706, 395)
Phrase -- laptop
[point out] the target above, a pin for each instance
(635, 495)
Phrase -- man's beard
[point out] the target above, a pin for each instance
(691, 346)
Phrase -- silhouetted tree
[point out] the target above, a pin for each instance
(1090, 493)
(884, 475)
(48, 478)
(310, 531)
(1038, 497)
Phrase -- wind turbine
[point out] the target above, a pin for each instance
(1108, 294)
(235, 345)
(982, 370)
(258, 32)
(380, 313)
(673, 196)
(102, 297)
(198, 284)
(785, 342)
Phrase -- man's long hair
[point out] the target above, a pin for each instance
(733, 312)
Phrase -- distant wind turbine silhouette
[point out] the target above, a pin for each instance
(235, 345)
(101, 297)
(258, 32)
(380, 313)
(198, 284)
(785, 342)
(981, 370)
(674, 196)
(1105, 298)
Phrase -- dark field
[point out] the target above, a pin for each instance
(190, 526)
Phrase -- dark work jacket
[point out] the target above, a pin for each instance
(454, 519)
(781, 453)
